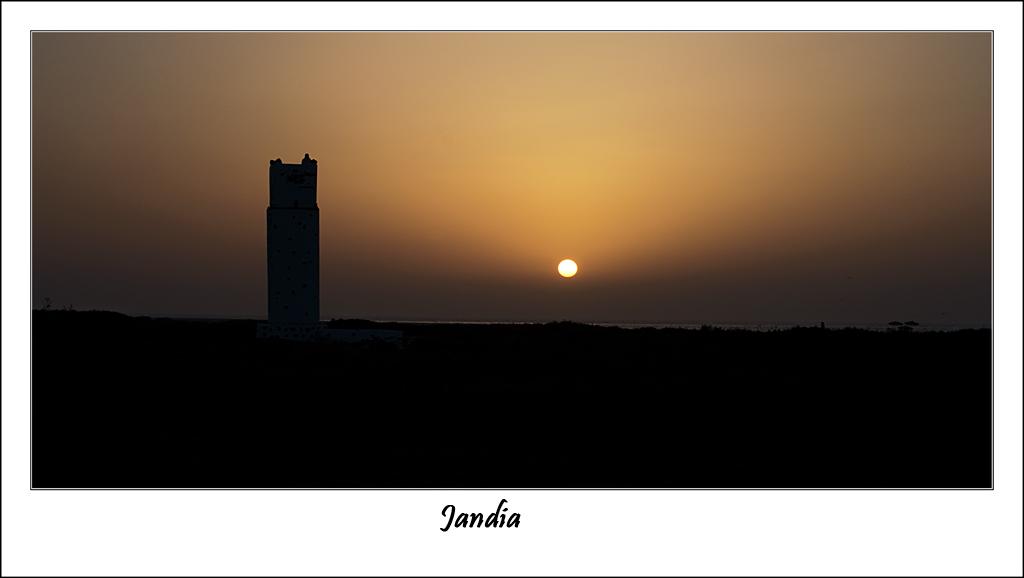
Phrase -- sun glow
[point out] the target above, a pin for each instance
(567, 268)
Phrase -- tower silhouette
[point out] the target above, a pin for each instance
(293, 251)
(293, 261)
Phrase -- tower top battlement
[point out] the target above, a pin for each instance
(293, 185)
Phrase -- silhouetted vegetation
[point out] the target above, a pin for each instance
(124, 401)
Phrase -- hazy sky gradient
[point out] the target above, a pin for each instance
(746, 177)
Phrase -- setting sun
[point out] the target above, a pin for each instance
(567, 268)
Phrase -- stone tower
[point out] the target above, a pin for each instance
(293, 251)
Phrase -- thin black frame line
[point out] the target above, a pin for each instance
(537, 489)
(31, 259)
(991, 272)
(992, 252)
(498, 31)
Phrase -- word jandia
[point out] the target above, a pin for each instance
(496, 519)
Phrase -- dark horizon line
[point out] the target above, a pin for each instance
(922, 325)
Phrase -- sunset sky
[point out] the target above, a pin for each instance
(694, 177)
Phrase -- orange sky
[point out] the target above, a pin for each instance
(707, 177)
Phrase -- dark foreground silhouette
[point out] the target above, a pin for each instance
(119, 401)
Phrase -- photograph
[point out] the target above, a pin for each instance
(562, 260)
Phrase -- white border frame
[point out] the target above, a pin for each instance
(712, 532)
